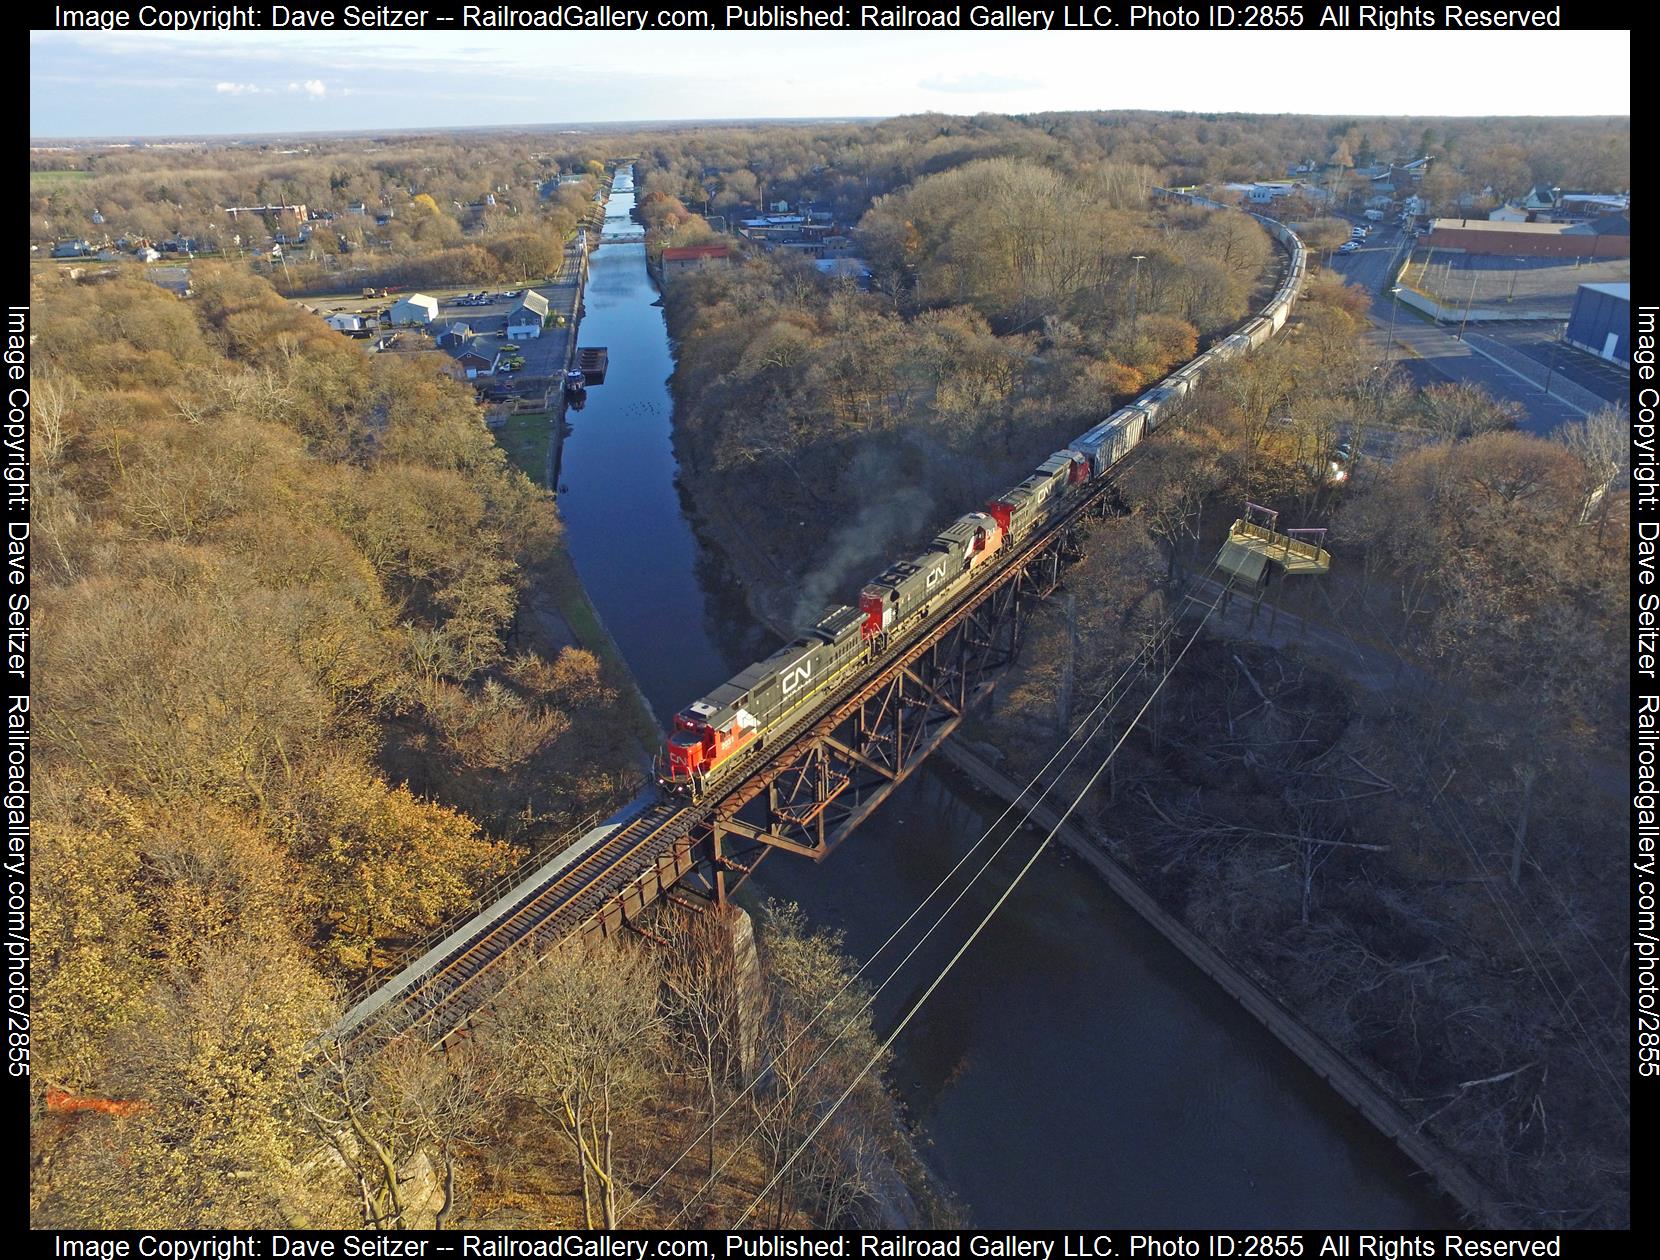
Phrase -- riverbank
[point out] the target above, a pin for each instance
(1477, 1200)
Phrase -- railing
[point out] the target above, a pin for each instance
(1285, 542)
(483, 899)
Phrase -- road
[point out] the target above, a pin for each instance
(1430, 354)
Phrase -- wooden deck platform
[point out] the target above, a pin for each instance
(1251, 548)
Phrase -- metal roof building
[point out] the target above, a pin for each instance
(1601, 322)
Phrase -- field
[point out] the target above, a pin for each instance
(525, 439)
(47, 179)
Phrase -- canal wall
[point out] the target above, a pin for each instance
(1470, 1193)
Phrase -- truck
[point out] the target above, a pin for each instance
(1376, 216)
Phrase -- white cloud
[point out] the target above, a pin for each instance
(237, 89)
(311, 87)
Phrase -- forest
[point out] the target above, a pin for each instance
(292, 718)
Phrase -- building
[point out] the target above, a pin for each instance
(476, 364)
(526, 319)
(282, 214)
(681, 259)
(72, 249)
(1266, 190)
(1597, 239)
(417, 308)
(173, 279)
(351, 325)
(1576, 207)
(1508, 214)
(1601, 322)
(457, 334)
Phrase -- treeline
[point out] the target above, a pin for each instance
(1005, 325)
(157, 193)
(1395, 814)
(847, 166)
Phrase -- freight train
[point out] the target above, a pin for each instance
(714, 735)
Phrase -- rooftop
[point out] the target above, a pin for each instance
(681, 253)
(1613, 290)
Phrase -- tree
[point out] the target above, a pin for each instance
(582, 1032)
(1458, 410)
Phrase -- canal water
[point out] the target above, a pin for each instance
(1074, 1070)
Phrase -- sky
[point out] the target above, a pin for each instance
(130, 83)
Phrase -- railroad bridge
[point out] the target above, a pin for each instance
(804, 792)
(817, 779)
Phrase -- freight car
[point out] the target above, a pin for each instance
(723, 730)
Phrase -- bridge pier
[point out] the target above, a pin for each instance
(742, 965)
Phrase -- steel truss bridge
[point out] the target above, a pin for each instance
(803, 792)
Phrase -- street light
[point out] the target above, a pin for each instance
(1135, 286)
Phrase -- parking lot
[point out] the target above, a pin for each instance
(1546, 286)
(544, 356)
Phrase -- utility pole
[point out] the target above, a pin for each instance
(1468, 302)
(1394, 308)
(1554, 347)
(1135, 288)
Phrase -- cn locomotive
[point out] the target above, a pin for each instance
(713, 736)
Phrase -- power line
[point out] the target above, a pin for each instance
(1159, 636)
(974, 935)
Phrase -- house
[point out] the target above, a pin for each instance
(146, 254)
(1601, 322)
(1508, 214)
(351, 325)
(97, 218)
(526, 319)
(78, 248)
(476, 364)
(417, 308)
(681, 259)
(457, 334)
(1540, 197)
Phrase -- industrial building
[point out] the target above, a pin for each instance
(417, 308)
(1601, 322)
(1608, 237)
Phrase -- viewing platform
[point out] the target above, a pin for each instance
(1254, 544)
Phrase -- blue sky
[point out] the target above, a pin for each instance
(155, 83)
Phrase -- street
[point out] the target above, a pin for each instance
(1430, 354)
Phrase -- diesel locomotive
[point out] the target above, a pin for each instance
(716, 734)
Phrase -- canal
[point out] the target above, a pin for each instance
(1074, 1070)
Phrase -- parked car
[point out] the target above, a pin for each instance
(1348, 247)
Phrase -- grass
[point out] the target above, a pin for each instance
(48, 178)
(582, 617)
(525, 439)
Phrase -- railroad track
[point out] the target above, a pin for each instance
(444, 997)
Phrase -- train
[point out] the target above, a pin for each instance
(714, 735)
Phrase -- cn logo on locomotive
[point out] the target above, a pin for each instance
(797, 676)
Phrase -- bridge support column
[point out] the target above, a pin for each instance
(743, 966)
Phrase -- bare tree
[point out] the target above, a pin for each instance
(582, 1032)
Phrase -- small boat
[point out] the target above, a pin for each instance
(575, 381)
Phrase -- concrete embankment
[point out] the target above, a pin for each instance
(1476, 1199)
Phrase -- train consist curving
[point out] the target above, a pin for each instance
(712, 735)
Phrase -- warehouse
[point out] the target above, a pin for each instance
(417, 308)
(1601, 322)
